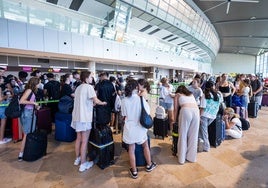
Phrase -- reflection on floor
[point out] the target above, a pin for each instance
(235, 163)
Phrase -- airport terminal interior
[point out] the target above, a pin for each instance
(137, 39)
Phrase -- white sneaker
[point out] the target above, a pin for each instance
(85, 166)
(77, 161)
(5, 140)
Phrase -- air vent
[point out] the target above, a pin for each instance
(173, 39)
(75, 5)
(182, 43)
(145, 28)
(53, 1)
(167, 37)
(154, 31)
(185, 45)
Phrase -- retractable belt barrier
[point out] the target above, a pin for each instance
(39, 102)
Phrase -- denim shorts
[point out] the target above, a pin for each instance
(26, 120)
(167, 106)
(2, 112)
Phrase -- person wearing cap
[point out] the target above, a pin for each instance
(209, 107)
(256, 89)
(233, 125)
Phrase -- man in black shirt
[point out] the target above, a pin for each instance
(105, 92)
(256, 89)
(52, 92)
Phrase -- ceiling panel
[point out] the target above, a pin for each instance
(245, 25)
(146, 17)
(95, 8)
(65, 3)
(135, 13)
(156, 21)
(162, 33)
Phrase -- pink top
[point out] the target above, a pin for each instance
(30, 106)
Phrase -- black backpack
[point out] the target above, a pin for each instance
(245, 124)
(14, 109)
(66, 104)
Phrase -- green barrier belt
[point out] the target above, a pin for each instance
(175, 134)
(45, 102)
(39, 102)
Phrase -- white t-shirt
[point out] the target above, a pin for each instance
(197, 93)
(246, 91)
(165, 93)
(236, 125)
(134, 132)
(83, 103)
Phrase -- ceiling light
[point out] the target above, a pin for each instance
(29, 65)
(58, 67)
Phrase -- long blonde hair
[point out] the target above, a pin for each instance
(229, 111)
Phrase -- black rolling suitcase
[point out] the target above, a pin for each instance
(252, 109)
(175, 137)
(101, 144)
(215, 131)
(35, 145)
(161, 127)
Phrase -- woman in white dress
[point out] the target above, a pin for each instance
(134, 132)
(84, 98)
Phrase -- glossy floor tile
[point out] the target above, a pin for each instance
(235, 163)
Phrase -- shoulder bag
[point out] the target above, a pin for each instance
(145, 119)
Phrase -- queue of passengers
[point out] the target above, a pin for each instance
(199, 108)
(199, 104)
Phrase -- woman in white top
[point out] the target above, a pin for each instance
(166, 99)
(188, 123)
(134, 132)
(233, 126)
(82, 118)
(246, 92)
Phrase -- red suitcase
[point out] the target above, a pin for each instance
(43, 120)
(17, 134)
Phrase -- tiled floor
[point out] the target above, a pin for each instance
(235, 163)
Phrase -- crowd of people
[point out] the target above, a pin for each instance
(194, 107)
(197, 105)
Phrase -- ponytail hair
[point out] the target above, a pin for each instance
(210, 90)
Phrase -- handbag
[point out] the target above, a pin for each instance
(145, 119)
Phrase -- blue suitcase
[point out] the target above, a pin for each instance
(63, 130)
(139, 155)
